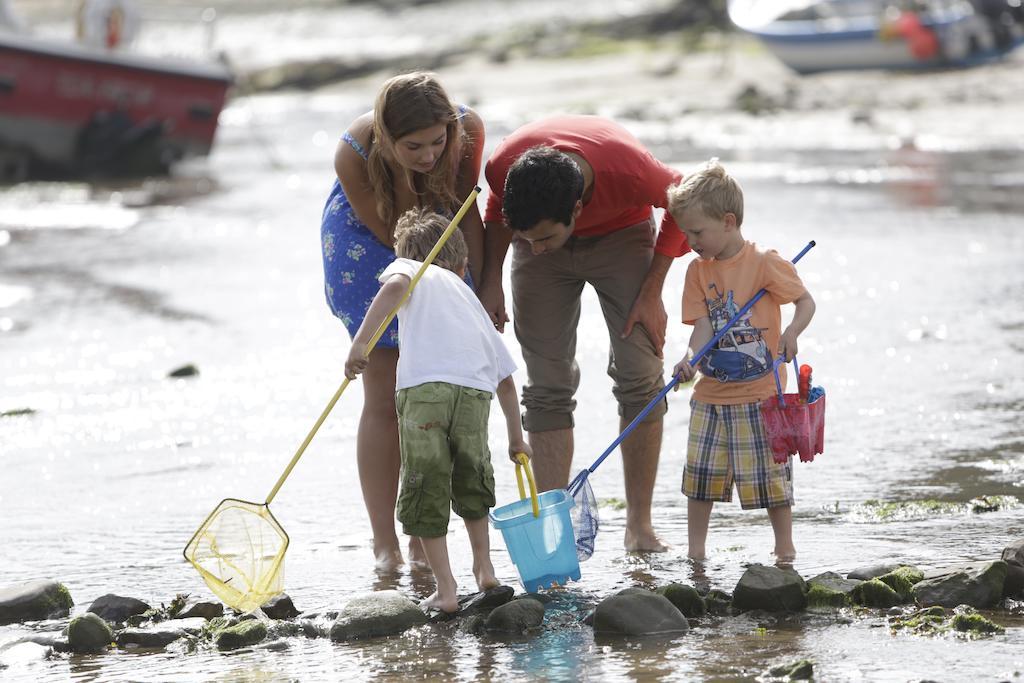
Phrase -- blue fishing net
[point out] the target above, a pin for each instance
(584, 519)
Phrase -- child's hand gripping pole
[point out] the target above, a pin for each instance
(470, 200)
(577, 483)
(523, 465)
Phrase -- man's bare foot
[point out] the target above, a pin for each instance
(644, 541)
(447, 604)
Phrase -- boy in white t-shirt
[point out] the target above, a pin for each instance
(452, 362)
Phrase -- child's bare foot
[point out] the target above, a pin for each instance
(448, 604)
(485, 578)
(643, 540)
(696, 554)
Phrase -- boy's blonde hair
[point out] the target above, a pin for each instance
(418, 230)
(711, 190)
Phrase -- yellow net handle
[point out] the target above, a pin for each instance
(523, 465)
(470, 200)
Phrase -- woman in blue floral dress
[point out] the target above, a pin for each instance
(414, 149)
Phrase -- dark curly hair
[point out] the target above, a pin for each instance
(542, 184)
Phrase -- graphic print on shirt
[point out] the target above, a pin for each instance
(741, 354)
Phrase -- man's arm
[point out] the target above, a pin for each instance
(497, 237)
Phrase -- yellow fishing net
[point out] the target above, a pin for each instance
(239, 549)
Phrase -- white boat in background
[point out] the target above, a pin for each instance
(97, 107)
(822, 35)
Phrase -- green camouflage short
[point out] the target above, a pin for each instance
(442, 431)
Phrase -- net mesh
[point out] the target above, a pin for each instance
(585, 520)
(239, 551)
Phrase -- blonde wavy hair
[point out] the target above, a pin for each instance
(405, 104)
(711, 190)
(418, 230)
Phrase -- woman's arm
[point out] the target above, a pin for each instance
(355, 180)
(466, 179)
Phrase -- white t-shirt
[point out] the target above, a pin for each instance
(444, 333)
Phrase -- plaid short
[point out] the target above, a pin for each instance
(727, 444)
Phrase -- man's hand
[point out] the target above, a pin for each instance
(492, 296)
(357, 360)
(649, 310)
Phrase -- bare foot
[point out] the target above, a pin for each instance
(785, 558)
(485, 578)
(387, 560)
(448, 604)
(696, 555)
(417, 557)
(644, 540)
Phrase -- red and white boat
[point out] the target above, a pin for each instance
(71, 109)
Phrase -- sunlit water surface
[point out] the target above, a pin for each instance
(105, 289)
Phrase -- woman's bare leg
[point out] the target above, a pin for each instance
(378, 457)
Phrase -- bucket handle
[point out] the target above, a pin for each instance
(778, 383)
(523, 465)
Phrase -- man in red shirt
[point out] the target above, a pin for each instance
(577, 194)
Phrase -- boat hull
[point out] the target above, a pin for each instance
(66, 109)
(961, 38)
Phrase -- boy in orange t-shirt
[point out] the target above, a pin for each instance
(727, 441)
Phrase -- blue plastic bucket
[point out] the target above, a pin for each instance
(543, 548)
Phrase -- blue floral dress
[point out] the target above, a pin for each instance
(354, 258)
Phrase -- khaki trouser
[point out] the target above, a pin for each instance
(442, 431)
(546, 291)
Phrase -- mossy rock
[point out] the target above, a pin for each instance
(89, 633)
(875, 593)
(240, 635)
(802, 670)
(718, 602)
(902, 580)
(969, 621)
(686, 599)
(33, 601)
(923, 621)
(822, 596)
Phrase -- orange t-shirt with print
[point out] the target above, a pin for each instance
(739, 368)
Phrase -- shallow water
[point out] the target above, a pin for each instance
(104, 289)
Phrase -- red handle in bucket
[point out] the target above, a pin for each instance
(523, 464)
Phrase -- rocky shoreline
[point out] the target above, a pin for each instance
(936, 602)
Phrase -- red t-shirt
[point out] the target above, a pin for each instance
(628, 181)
